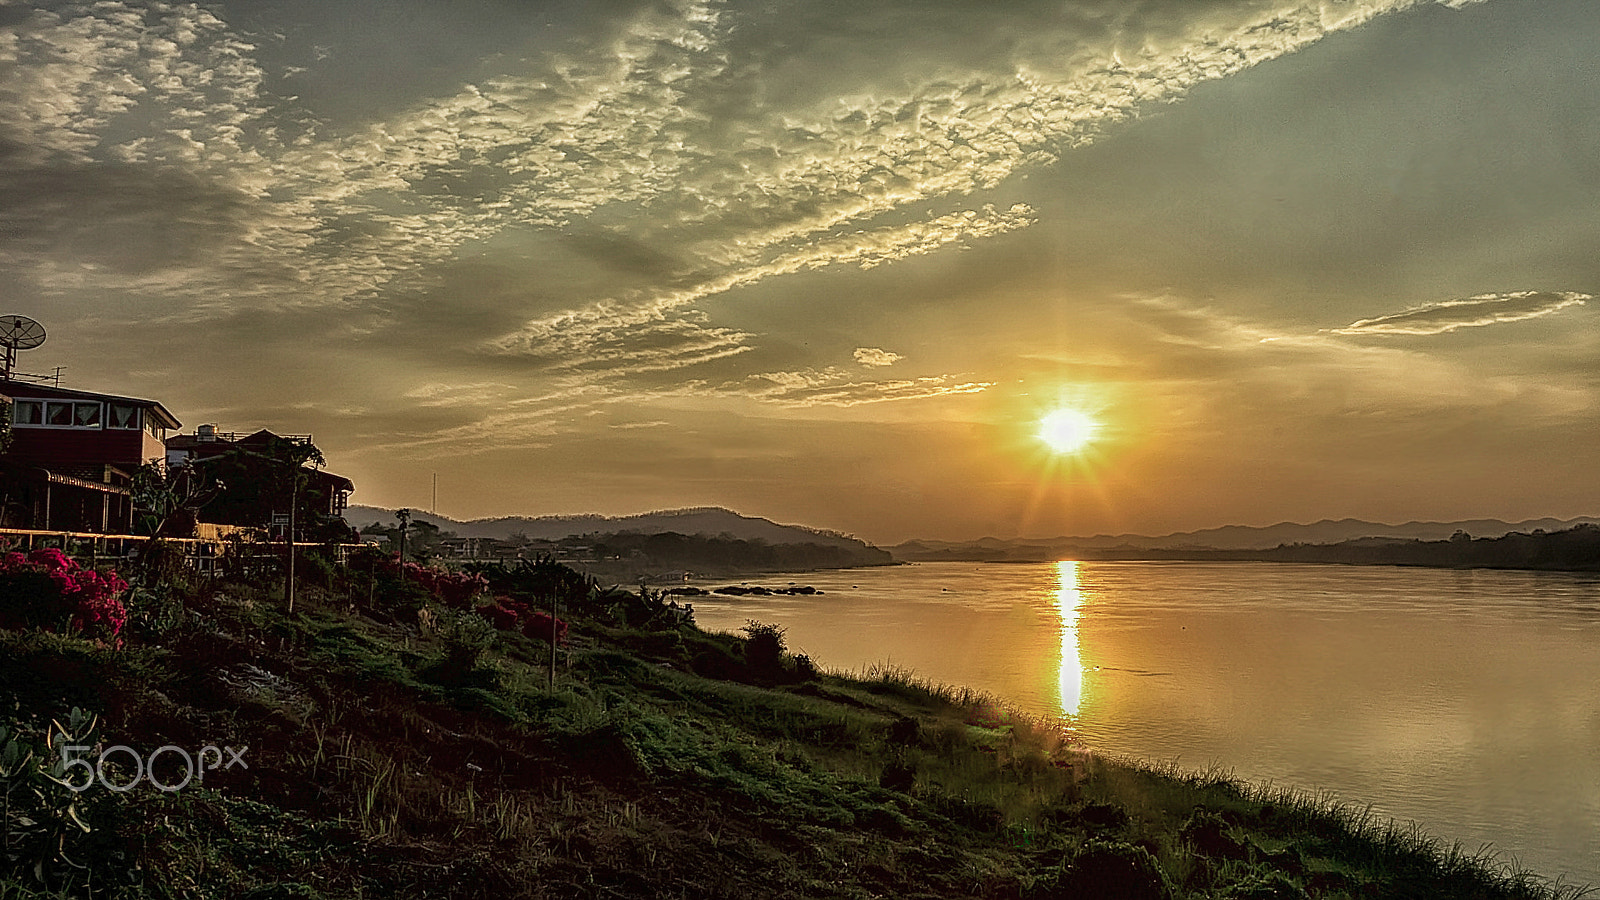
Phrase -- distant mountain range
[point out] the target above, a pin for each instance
(1230, 537)
(710, 521)
(713, 521)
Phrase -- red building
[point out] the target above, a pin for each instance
(72, 457)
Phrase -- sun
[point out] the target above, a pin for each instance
(1067, 430)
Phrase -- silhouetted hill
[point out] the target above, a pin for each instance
(1575, 549)
(1230, 537)
(707, 520)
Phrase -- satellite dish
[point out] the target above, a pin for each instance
(17, 333)
(20, 332)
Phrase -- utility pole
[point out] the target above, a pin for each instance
(294, 490)
(435, 507)
(554, 631)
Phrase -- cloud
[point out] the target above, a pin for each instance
(590, 334)
(145, 159)
(1471, 312)
(832, 387)
(666, 126)
(635, 426)
(873, 357)
(442, 394)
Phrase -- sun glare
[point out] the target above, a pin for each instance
(1067, 430)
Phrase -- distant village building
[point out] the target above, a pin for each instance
(72, 456)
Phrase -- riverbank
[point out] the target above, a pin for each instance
(1575, 549)
(397, 749)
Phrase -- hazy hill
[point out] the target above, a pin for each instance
(707, 520)
(1229, 537)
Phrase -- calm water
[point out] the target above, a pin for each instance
(1466, 701)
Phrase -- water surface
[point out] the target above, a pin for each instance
(1466, 701)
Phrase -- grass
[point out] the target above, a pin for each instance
(423, 759)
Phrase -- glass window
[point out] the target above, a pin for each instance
(124, 416)
(58, 414)
(88, 415)
(28, 412)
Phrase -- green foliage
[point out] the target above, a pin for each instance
(670, 550)
(542, 580)
(165, 500)
(155, 611)
(48, 838)
(381, 589)
(1575, 549)
(161, 565)
(764, 648)
(1107, 870)
(465, 638)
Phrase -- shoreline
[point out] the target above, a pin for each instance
(409, 756)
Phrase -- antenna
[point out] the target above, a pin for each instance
(17, 333)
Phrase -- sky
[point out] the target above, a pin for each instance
(830, 263)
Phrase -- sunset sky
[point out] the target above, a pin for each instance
(832, 262)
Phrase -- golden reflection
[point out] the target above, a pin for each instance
(1068, 599)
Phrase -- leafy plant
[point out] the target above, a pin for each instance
(45, 828)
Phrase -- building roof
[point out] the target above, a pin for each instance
(25, 390)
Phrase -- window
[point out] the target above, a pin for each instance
(58, 414)
(84, 414)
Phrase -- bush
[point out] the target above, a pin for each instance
(1108, 870)
(47, 589)
(764, 648)
(466, 639)
(507, 614)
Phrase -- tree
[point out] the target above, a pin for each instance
(251, 483)
(167, 503)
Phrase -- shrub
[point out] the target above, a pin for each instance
(508, 614)
(47, 589)
(466, 639)
(763, 647)
(805, 668)
(402, 588)
(1108, 870)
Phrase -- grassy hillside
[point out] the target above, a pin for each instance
(391, 746)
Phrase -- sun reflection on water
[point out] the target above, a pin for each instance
(1068, 599)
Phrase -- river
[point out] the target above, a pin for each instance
(1466, 701)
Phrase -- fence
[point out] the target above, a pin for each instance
(248, 548)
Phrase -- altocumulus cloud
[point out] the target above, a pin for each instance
(704, 133)
(1470, 312)
(873, 356)
(833, 387)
